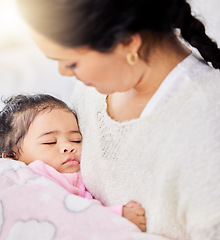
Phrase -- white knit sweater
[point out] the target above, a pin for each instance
(168, 160)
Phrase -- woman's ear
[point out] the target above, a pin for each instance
(133, 43)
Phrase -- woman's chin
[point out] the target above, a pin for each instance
(104, 91)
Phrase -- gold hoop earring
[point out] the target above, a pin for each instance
(132, 58)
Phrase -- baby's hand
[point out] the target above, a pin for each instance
(135, 213)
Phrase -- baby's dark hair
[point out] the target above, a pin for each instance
(18, 114)
(102, 24)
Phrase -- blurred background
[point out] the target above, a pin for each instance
(24, 69)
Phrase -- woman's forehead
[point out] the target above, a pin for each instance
(54, 50)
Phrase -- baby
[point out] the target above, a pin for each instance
(42, 131)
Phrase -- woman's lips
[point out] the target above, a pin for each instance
(88, 84)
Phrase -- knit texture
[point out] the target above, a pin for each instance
(169, 160)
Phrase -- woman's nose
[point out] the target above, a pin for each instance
(64, 70)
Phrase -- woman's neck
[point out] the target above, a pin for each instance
(162, 60)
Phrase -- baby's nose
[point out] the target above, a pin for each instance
(69, 149)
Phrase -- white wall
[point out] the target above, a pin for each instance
(209, 12)
(23, 68)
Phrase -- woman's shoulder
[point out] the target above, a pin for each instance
(202, 88)
(207, 84)
(197, 105)
(211, 78)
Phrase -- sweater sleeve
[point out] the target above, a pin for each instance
(199, 176)
(209, 234)
(116, 209)
(199, 208)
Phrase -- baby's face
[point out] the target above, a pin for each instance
(54, 138)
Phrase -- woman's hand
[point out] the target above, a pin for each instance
(135, 213)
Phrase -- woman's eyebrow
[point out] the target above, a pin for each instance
(52, 58)
(56, 59)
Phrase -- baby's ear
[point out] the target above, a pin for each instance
(11, 155)
(4, 155)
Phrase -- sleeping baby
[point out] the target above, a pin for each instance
(42, 131)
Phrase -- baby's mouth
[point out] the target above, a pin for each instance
(74, 160)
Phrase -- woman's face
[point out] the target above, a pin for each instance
(107, 72)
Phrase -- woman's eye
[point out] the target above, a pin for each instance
(72, 66)
(49, 143)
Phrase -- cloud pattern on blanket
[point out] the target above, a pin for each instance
(76, 204)
(33, 207)
(33, 230)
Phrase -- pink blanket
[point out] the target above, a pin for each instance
(72, 182)
(33, 207)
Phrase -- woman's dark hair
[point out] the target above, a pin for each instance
(102, 24)
(18, 114)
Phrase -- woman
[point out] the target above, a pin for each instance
(153, 132)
